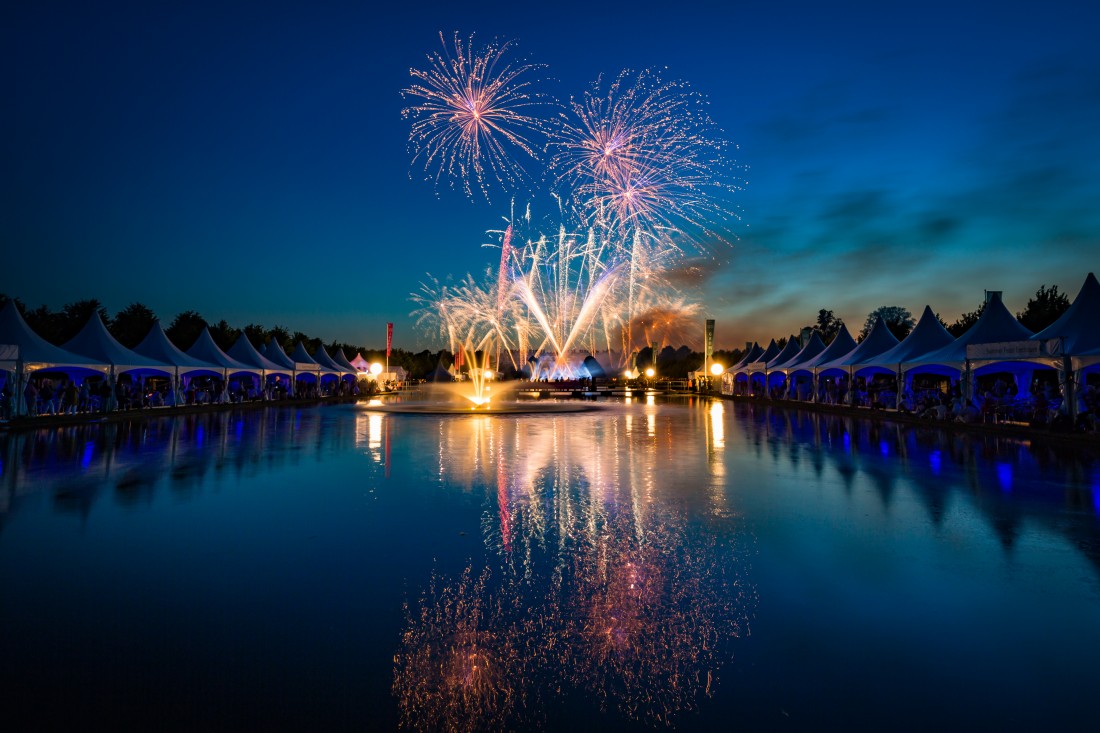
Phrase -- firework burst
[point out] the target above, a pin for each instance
(473, 113)
(643, 155)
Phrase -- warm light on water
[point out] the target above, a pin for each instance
(696, 564)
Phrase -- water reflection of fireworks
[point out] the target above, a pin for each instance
(598, 591)
(459, 668)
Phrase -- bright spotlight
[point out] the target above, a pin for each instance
(650, 372)
(716, 369)
(376, 369)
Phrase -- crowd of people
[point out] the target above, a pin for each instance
(62, 395)
(996, 400)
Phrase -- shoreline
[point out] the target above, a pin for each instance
(1003, 430)
(1015, 431)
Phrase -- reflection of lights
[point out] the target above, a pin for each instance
(374, 430)
(717, 424)
(651, 400)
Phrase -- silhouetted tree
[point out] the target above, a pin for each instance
(828, 325)
(280, 334)
(257, 335)
(131, 324)
(185, 329)
(74, 315)
(899, 320)
(4, 298)
(966, 320)
(45, 323)
(224, 335)
(1044, 309)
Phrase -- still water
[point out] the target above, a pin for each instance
(693, 564)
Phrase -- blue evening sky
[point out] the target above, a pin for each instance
(249, 160)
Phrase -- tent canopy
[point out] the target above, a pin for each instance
(156, 345)
(95, 342)
(996, 324)
(35, 352)
(244, 352)
(204, 348)
(878, 340)
(812, 349)
(274, 352)
(927, 336)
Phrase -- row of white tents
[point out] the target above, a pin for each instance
(996, 343)
(95, 353)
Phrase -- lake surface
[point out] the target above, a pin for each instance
(704, 565)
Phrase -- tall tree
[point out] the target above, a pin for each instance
(280, 334)
(256, 334)
(828, 325)
(966, 320)
(46, 323)
(185, 329)
(1044, 309)
(74, 315)
(224, 335)
(132, 324)
(899, 320)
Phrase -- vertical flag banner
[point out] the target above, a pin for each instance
(708, 340)
(389, 339)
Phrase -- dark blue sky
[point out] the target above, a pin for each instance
(251, 163)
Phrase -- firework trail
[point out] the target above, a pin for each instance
(471, 112)
(641, 176)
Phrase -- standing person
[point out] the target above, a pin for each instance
(47, 395)
(71, 397)
(85, 396)
(30, 394)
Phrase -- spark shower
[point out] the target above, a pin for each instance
(638, 175)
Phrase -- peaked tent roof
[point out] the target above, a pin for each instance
(767, 355)
(927, 336)
(204, 348)
(812, 348)
(996, 324)
(342, 360)
(274, 352)
(841, 346)
(244, 352)
(878, 340)
(35, 351)
(301, 356)
(789, 351)
(360, 364)
(322, 358)
(753, 355)
(95, 342)
(1079, 326)
(156, 345)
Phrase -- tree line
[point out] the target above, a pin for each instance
(1043, 309)
(132, 324)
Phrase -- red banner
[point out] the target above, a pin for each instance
(389, 339)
